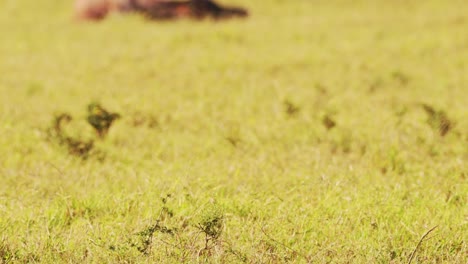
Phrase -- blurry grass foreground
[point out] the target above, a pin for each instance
(311, 132)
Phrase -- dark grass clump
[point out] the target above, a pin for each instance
(328, 122)
(101, 119)
(76, 147)
(401, 77)
(290, 108)
(145, 120)
(7, 253)
(438, 120)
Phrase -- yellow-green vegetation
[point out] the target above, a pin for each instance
(313, 131)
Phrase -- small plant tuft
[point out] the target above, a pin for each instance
(211, 225)
(146, 237)
(145, 241)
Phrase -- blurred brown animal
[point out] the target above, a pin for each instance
(157, 9)
(99, 9)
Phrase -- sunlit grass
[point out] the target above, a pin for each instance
(222, 153)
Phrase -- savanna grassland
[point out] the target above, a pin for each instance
(311, 132)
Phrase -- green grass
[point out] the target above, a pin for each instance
(207, 165)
